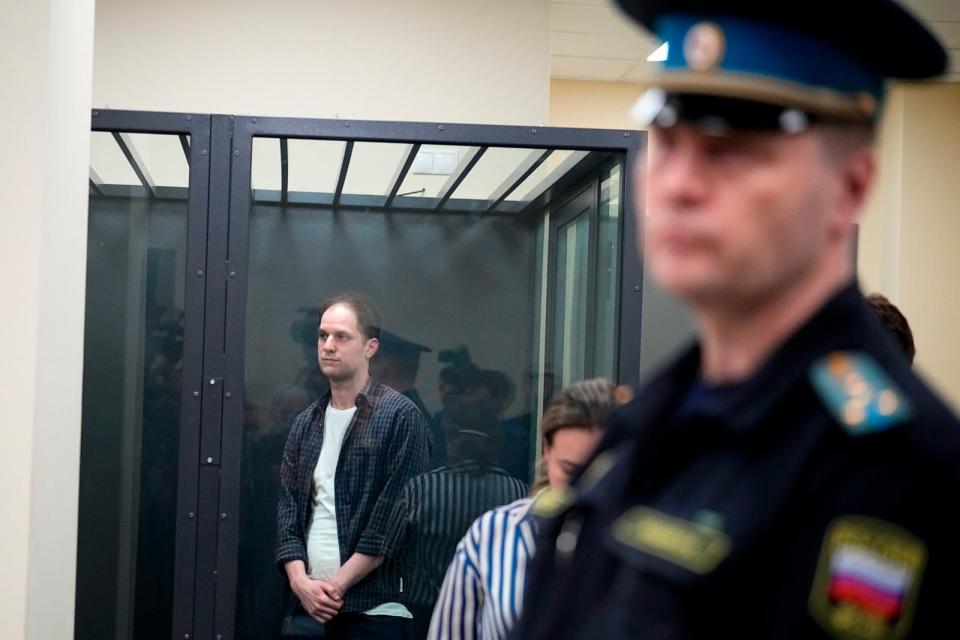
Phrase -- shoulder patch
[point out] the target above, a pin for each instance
(550, 502)
(867, 579)
(859, 394)
(698, 546)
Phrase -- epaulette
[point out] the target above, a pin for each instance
(859, 394)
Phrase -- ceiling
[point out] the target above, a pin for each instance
(591, 40)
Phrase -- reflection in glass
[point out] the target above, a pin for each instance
(571, 307)
(608, 273)
(438, 507)
(539, 381)
(133, 359)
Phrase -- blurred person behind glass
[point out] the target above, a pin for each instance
(437, 507)
(502, 539)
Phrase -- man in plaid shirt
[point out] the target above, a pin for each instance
(346, 461)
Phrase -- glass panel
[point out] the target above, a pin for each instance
(464, 301)
(571, 304)
(455, 292)
(540, 380)
(608, 272)
(133, 358)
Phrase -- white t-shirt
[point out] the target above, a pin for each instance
(323, 545)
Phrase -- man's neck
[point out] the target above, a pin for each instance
(737, 339)
(343, 394)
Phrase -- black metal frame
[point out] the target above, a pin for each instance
(219, 204)
(628, 144)
(188, 474)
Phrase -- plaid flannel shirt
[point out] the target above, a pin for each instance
(385, 445)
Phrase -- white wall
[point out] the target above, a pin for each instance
(484, 61)
(45, 60)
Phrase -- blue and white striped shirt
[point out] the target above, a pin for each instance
(482, 593)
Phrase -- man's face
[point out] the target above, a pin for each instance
(344, 354)
(738, 217)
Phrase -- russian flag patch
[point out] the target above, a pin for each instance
(867, 579)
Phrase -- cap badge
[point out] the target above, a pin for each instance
(704, 46)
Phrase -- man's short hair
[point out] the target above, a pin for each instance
(368, 316)
(893, 321)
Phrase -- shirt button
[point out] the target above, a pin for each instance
(567, 540)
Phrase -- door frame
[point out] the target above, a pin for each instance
(196, 126)
(631, 144)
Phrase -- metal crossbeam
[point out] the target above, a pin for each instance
(284, 170)
(467, 163)
(185, 144)
(344, 167)
(402, 170)
(139, 168)
(521, 173)
(95, 182)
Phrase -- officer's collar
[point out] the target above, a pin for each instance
(841, 323)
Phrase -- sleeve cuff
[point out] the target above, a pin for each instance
(372, 544)
(284, 556)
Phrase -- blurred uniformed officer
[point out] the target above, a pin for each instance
(788, 476)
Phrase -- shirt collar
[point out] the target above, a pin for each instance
(365, 398)
(842, 323)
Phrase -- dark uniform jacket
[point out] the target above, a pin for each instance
(816, 499)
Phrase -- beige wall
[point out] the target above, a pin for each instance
(461, 60)
(667, 324)
(911, 233)
(605, 105)
(45, 61)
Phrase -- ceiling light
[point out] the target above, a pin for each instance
(660, 54)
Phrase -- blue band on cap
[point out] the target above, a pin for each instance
(772, 51)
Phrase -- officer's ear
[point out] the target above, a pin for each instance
(849, 154)
(857, 173)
